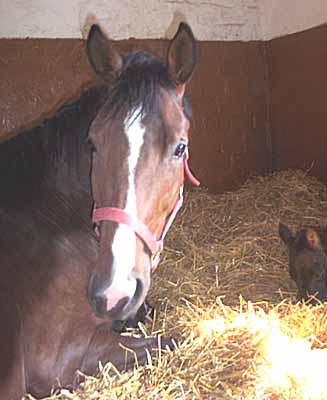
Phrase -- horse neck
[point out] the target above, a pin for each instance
(51, 161)
(71, 180)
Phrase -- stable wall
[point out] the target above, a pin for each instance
(123, 19)
(283, 17)
(298, 93)
(297, 62)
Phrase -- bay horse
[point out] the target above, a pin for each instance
(116, 158)
(307, 261)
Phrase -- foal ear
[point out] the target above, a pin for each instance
(103, 57)
(286, 234)
(181, 57)
(312, 239)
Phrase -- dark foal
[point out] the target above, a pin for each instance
(307, 261)
(120, 150)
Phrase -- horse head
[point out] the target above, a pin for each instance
(307, 262)
(140, 140)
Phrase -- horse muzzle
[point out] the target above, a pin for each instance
(118, 301)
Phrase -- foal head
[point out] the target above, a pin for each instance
(140, 139)
(307, 262)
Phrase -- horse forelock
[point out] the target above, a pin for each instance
(138, 85)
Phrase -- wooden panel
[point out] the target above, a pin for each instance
(298, 69)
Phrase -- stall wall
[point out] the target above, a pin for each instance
(297, 65)
(298, 87)
(283, 17)
(123, 19)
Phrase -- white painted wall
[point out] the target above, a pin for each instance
(210, 19)
(281, 17)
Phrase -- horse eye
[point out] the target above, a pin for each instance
(180, 150)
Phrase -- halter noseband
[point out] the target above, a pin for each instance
(120, 216)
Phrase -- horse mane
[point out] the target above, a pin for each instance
(27, 159)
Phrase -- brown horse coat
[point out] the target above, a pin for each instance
(48, 249)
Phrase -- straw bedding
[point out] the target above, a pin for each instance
(223, 291)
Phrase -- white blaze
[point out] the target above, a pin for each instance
(124, 241)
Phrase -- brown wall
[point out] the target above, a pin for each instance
(36, 76)
(298, 73)
(228, 93)
(229, 96)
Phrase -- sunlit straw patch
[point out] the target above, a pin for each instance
(212, 326)
(284, 366)
(291, 364)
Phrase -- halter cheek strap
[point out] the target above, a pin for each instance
(120, 216)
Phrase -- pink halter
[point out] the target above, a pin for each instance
(121, 217)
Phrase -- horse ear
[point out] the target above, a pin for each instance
(312, 239)
(103, 57)
(286, 234)
(181, 57)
